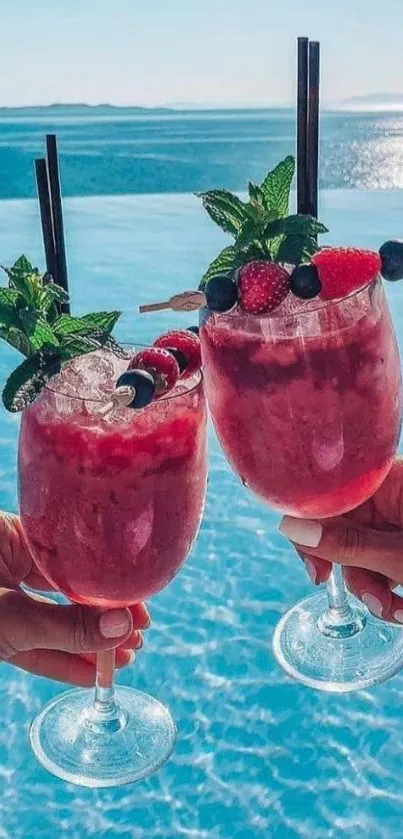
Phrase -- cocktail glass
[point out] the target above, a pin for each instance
(306, 403)
(110, 508)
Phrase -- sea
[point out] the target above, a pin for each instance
(258, 756)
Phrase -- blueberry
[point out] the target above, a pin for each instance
(221, 293)
(391, 254)
(305, 282)
(143, 384)
(194, 329)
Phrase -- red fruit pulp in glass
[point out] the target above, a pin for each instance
(307, 407)
(111, 509)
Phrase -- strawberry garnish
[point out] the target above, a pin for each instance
(186, 348)
(344, 270)
(262, 286)
(161, 364)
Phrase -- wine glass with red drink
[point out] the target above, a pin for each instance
(303, 382)
(111, 499)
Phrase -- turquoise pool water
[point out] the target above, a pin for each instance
(258, 757)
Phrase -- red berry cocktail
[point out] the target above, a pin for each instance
(303, 382)
(112, 482)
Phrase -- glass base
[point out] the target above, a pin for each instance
(366, 653)
(76, 743)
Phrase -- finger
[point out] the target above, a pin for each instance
(317, 569)
(348, 543)
(15, 558)
(135, 641)
(27, 624)
(64, 667)
(375, 592)
(140, 615)
(371, 588)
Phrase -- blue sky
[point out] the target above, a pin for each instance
(209, 51)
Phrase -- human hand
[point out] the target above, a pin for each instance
(368, 542)
(48, 639)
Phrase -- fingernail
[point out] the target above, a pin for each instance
(302, 531)
(148, 624)
(114, 623)
(313, 574)
(398, 616)
(373, 604)
(131, 656)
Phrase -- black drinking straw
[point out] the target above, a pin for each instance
(302, 126)
(46, 215)
(57, 215)
(313, 128)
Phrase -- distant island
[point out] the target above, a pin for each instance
(372, 101)
(77, 109)
(367, 102)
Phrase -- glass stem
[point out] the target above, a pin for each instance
(104, 684)
(340, 620)
(105, 715)
(337, 592)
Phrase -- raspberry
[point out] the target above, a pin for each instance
(161, 364)
(187, 347)
(344, 270)
(262, 286)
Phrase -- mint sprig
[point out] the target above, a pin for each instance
(261, 227)
(30, 322)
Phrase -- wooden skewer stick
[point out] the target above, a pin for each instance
(121, 398)
(188, 301)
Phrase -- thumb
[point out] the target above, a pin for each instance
(346, 542)
(28, 624)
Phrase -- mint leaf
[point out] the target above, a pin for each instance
(97, 322)
(51, 296)
(295, 226)
(28, 379)
(17, 339)
(222, 264)
(225, 209)
(21, 266)
(68, 325)
(273, 246)
(11, 328)
(276, 187)
(52, 293)
(251, 232)
(28, 285)
(10, 297)
(38, 331)
(102, 321)
(256, 195)
(73, 345)
(8, 316)
(295, 249)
